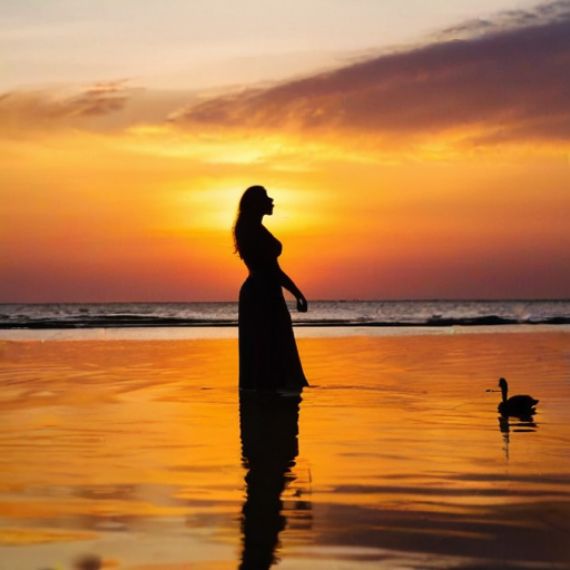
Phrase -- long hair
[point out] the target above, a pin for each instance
(250, 205)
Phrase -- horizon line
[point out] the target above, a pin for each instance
(343, 300)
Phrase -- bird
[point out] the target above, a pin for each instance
(520, 405)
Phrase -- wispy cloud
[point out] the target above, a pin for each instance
(25, 109)
(542, 14)
(507, 80)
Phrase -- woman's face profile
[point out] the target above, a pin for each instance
(255, 201)
(268, 205)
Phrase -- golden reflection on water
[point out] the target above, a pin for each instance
(141, 453)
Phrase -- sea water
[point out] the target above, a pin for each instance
(321, 313)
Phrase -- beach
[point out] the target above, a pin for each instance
(133, 448)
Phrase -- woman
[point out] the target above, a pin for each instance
(268, 357)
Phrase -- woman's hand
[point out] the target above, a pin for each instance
(302, 305)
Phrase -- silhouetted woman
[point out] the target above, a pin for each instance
(268, 356)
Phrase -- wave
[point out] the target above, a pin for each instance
(135, 321)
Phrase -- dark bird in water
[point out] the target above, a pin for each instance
(520, 405)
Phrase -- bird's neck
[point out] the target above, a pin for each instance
(504, 392)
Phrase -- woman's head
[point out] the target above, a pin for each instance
(255, 202)
(253, 205)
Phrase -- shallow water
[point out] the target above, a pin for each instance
(130, 451)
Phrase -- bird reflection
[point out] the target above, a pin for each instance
(523, 423)
(269, 429)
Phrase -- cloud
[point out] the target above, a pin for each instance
(484, 82)
(25, 109)
(100, 99)
(542, 14)
(507, 81)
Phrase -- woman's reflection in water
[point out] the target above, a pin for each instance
(269, 437)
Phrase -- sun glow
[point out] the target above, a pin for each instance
(101, 209)
(204, 206)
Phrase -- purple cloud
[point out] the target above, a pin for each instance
(510, 82)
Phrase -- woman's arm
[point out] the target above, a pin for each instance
(288, 284)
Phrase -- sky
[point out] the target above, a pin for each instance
(414, 150)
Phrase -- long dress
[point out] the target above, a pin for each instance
(268, 356)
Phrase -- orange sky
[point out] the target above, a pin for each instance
(437, 171)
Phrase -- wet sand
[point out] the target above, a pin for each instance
(138, 452)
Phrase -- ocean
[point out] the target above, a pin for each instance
(321, 313)
(139, 452)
